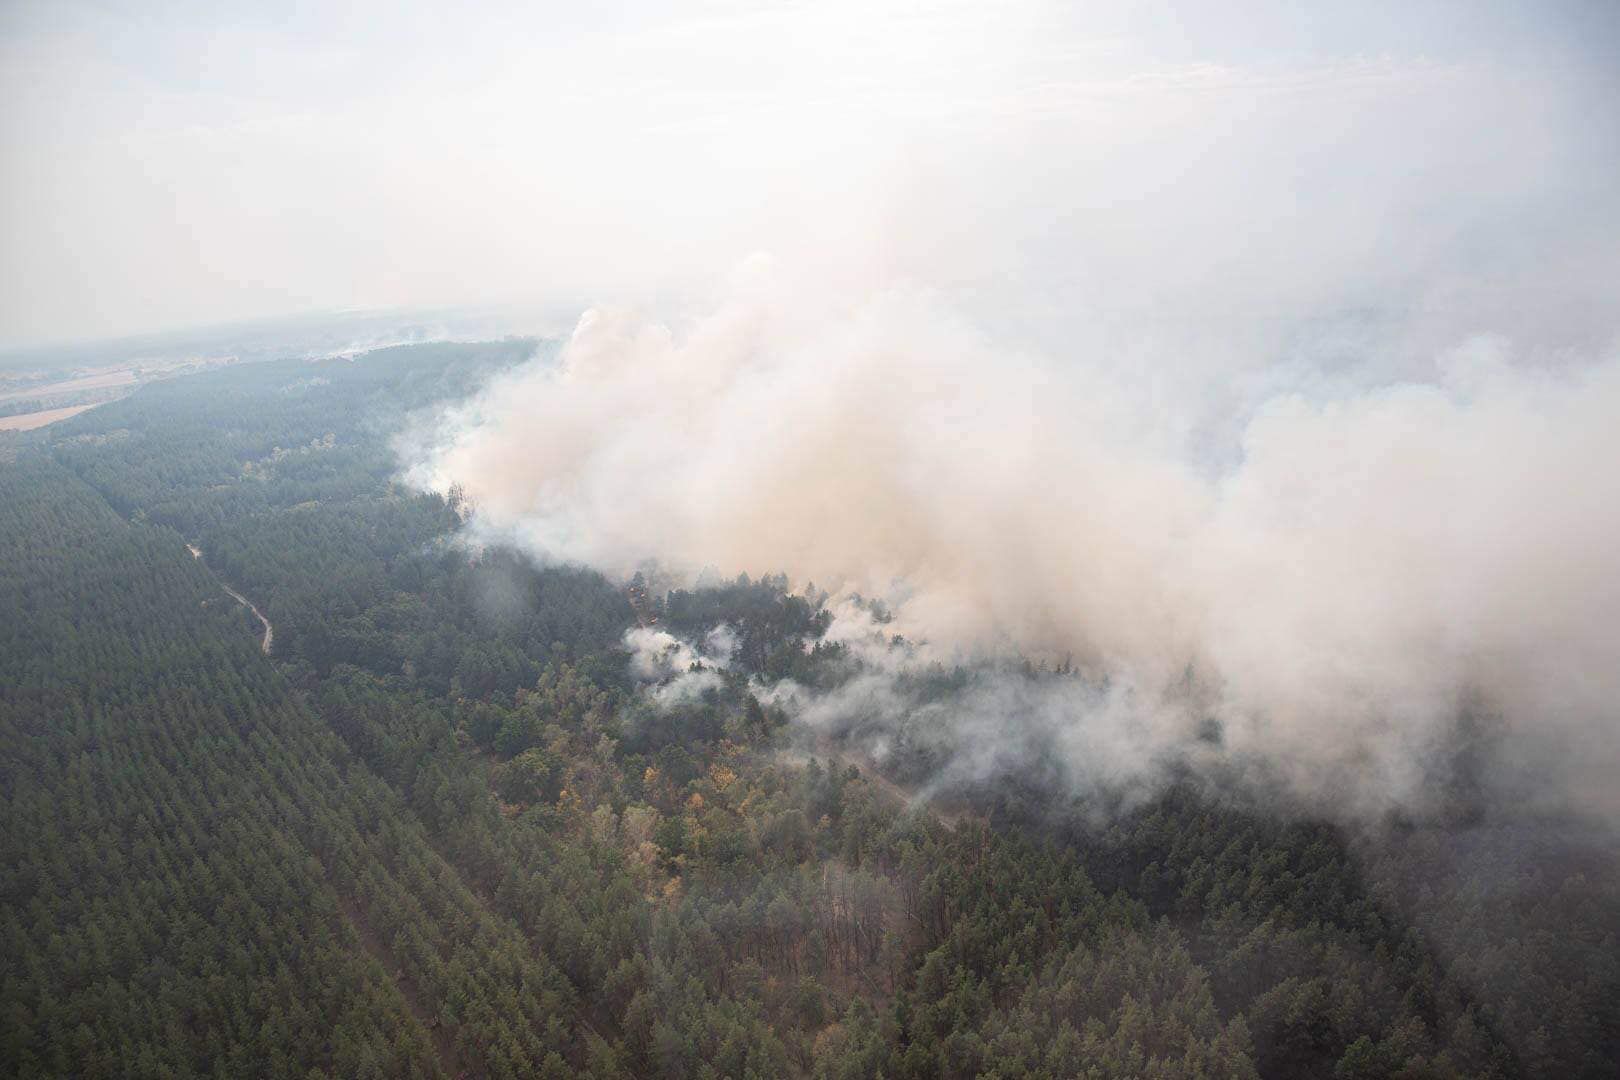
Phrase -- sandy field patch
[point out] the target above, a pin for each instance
(99, 381)
(32, 420)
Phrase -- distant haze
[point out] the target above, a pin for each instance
(166, 164)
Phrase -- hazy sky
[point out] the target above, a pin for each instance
(167, 164)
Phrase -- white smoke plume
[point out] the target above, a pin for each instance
(1357, 567)
(677, 670)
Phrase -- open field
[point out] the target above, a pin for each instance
(30, 421)
(100, 380)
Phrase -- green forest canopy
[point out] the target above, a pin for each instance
(439, 832)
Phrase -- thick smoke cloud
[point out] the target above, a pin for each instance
(1264, 369)
(1363, 566)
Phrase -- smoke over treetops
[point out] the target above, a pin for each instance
(1342, 567)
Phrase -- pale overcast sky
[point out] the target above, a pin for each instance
(167, 164)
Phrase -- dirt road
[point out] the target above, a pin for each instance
(269, 631)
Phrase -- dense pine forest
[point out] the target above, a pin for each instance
(443, 828)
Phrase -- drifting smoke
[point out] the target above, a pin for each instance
(1366, 567)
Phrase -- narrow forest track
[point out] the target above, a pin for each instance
(641, 606)
(910, 798)
(269, 631)
(444, 1047)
